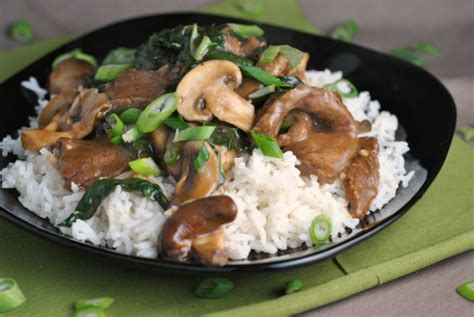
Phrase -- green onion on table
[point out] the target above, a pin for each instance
(11, 296)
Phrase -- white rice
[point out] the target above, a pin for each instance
(276, 204)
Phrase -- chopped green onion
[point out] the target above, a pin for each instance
(202, 49)
(101, 303)
(407, 55)
(176, 123)
(262, 76)
(89, 312)
(293, 55)
(156, 112)
(116, 125)
(202, 158)
(267, 144)
(131, 135)
(110, 72)
(78, 54)
(425, 47)
(262, 92)
(116, 139)
(293, 286)
(221, 169)
(195, 133)
(171, 155)
(11, 295)
(320, 229)
(252, 8)
(121, 55)
(468, 132)
(344, 88)
(130, 115)
(21, 31)
(193, 38)
(214, 287)
(466, 290)
(345, 32)
(145, 167)
(246, 31)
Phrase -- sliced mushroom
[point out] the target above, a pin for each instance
(324, 138)
(195, 229)
(53, 111)
(69, 75)
(241, 48)
(362, 177)
(159, 139)
(194, 184)
(281, 67)
(248, 86)
(84, 161)
(208, 90)
(77, 122)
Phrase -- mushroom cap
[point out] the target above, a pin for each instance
(68, 75)
(208, 90)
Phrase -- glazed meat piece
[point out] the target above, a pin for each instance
(195, 230)
(68, 75)
(325, 136)
(362, 177)
(138, 87)
(84, 161)
(241, 48)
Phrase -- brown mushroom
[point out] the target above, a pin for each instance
(208, 90)
(56, 107)
(194, 184)
(248, 86)
(281, 67)
(195, 229)
(241, 48)
(324, 138)
(69, 75)
(362, 177)
(77, 122)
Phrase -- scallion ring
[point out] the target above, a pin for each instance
(120, 55)
(78, 54)
(246, 31)
(116, 125)
(116, 139)
(293, 286)
(130, 115)
(293, 55)
(171, 155)
(132, 134)
(267, 144)
(344, 88)
(110, 72)
(21, 31)
(202, 49)
(262, 92)
(320, 230)
(194, 133)
(156, 112)
(145, 167)
(466, 290)
(101, 303)
(202, 157)
(11, 295)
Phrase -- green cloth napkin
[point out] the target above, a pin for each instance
(52, 277)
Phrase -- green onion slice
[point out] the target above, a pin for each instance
(101, 303)
(193, 38)
(345, 32)
(130, 115)
(89, 312)
(131, 135)
(110, 72)
(171, 155)
(176, 123)
(21, 31)
(11, 295)
(121, 55)
(78, 54)
(320, 230)
(466, 290)
(202, 158)
(344, 88)
(145, 167)
(293, 55)
(245, 30)
(267, 144)
(214, 287)
(293, 286)
(202, 49)
(116, 125)
(116, 139)
(262, 92)
(156, 112)
(262, 76)
(194, 133)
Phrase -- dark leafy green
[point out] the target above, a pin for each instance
(100, 189)
(229, 137)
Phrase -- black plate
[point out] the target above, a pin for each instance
(422, 104)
